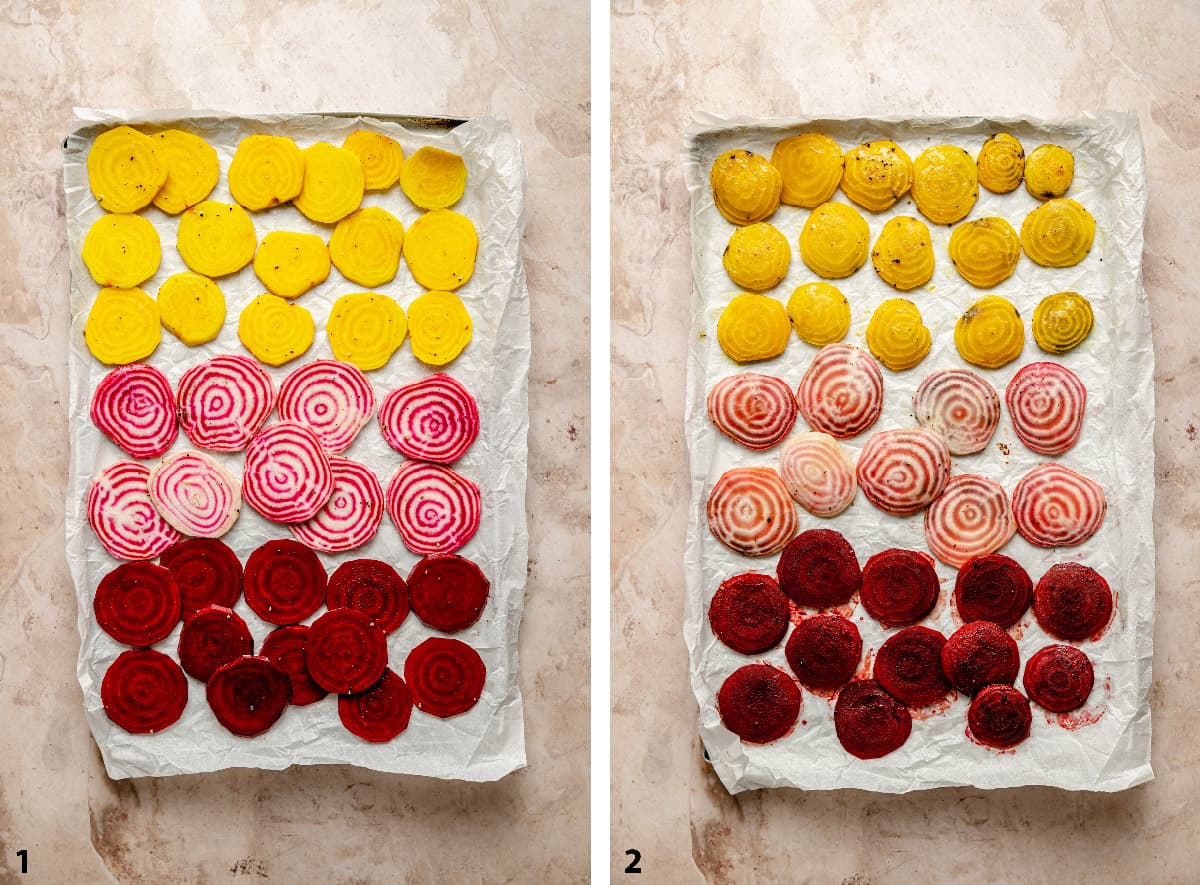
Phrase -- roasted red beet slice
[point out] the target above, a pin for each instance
(284, 647)
(824, 651)
(870, 723)
(371, 587)
(344, 652)
(445, 676)
(993, 588)
(899, 587)
(144, 691)
(1072, 601)
(999, 716)
(248, 695)
(759, 703)
(137, 604)
(909, 667)
(1059, 678)
(749, 613)
(380, 713)
(447, 592)
(980, 654)
(212, 638)
(207, 572)
(818, 569)
(285, 582)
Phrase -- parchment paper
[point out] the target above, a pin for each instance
(1117, 365)
(488, 741)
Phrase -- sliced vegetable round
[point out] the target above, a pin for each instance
(284, 582)
(445, 676)
(959, 406)
(365, 246)
(284, 647)
(755, 410)
(1046, 402)
(192, 169)
(433, 178)
(824, 651)
(122, 515)
(121, 251)
(333, 183)
(351, 516)
(993, 588)
(366, 328)
(287, 477)
(344, 652)
(440, 249)
(206, 571)
(980, 654)
(382, 158)
(899, 587)
(248, 695)
(439, 328)
(266, 170)
(380, 713)
(195, 494)
(137, 604)
(275, 330)
(122, 327)
(447, 592)
(333, 399)
(759, 703)
(819, 569)
(818, 473)
(750, 511)
(971, 518)
(143, 691)
(902, 471)
(1059, 678)
(191, 307)
(371, 587)
(999, 716)
(213, 637)
(1072, 601)
(749, 613)
(909, 666)
(125, 170)
(224, 401)
(435, 509)
(433, 419)
(1056, 507)
(841, 392)
(216, 239)
(135, 408)
(870, 723)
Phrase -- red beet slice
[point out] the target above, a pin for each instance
(1072, 601)
(137, 604)
(909, 667)
(445, 676)
(980, 654)
(144, 691)
(819, 569)
(999, 716)
(447, 592)
(759, 703)
(213, 637)
(284, 647)
(824, 651)
(285, 582)
(870, 723)
(248, 695)
(206, 571)
(899, 587)
(993, 588)
(749, 613)
(380, 713)
(344, 652)
(1059, 678)
(371, 587)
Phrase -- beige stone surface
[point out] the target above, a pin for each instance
(526, 59)
(863, 58)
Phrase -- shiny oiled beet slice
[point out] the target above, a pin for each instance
(380, 713)
(870, 723)
(749, 613)
(284, 647)
(824, 651)
(993, 588)
(759, 703)
(371, 587)
(445, 676)
(285, 582)
(999, 716)
(1059, 678)
(909, 667)
(248, 695)
(206, 571)
(1072, 601)
(980, 654)
(344, 652)
(214, 636)
(144, 691)
(819, 569)
(899, 587)
(137, 604)
(447, 592)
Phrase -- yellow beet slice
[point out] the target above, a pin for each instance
(820, 313)
(877, 174)
(433, 178)
(216, 239)
(985, 252)
(990, 334)
(333, 183)
(275, 330)
(945, 183)
(746, 188)
(753, 327)
(835, 241)
(1049, 171)
(439, 327)
(811, 165)
(365, 329)
(122, 326)
(440, 248)
(121, 251)
(896, 334)
(191, 307)
(192, 170)
(381, 158)
(290, 263)
(1001, 163)
(903, 254)
(125, 170)
(1058, 233)
(366, 245)
(266, 170)
(757, 256)
(1062, 321)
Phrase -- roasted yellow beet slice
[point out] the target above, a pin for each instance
(945, 183)
(1001, 163)
(746, 187)
(121, 251)
(290, 263)
(365, 329)
(877, 174)
(440, 249)
(275, 330)
(820, 313)
(191, 307)
(192, 170)
(903, 254)
(122, 326)
(753, 327)
(1062, 321)
(216, 239)
(1058, 233)
(835, 241)
(266, 170)
(896, 334)
(125, 170)
(1049, 171)
(990, 334)
(366, 245)
(757, 256)
(439, 327)
(985, 252)
(333, 183)
(381, 158)
(434, 178)
(811, 165)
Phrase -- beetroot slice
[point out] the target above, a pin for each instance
(445, 676)
(980, 654)
(819, 569)
(285, 582)
(824, 651)
(749, 613)
(899, 587)
(909, 667)
(999, 716)
(137, 604)
(1072, 601)
(380, 713)
(144, 691)
(207, 572)
(371, 587)
(212, 638)
(344, 652)
(1059, 678)
(870, 723)
(447, 592)
(248, 695)
(284, 647)
(759, 703)
(993, 588)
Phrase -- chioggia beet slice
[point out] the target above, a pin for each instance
(1046, 402)
(224, 401)
(351, 516)
(122, 515)
(902, 471)
(750, 511)
(434, 419)
(435, 509)
(755, 410)
(1056, 507)
(972, 517)
(287, 477)
(134, 407)
(959, 406)
(841, 392)
(333, 399)
(195, 494)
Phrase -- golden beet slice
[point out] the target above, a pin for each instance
(125, 170)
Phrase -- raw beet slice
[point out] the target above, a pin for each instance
(344, 652)
(750, 511)
(447, 592)
(755, 410)
(824, 651)
(870, 723)
(899, 587)
(980, 654)
(284, 647)
(841, 392)
(380, 713)
(909, 667)
(433, 419)
(903, 471)
(284, 582)
(435, 509)
(371, 587)
(206, 571)
(993, 588)
(287, 477)
(224, 401)
(213, 637)
(819, 569)
(143, 691)
(134, 407)
(1059, 678)
(122, 515)
(137, 604)
(332, 398)
(248, 695)
(999, 716)
(195, 494)
(1072, 601)
(749, 613)
(445, 676)
(351, 516)
(759, 703)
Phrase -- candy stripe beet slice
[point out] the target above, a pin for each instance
(870, 723)
(999, 716)
(899, 587)
(1059, 678)
(143, 691)
(755, 410)
(818, 473)
(1046, 402)
(134, 407)
(195, 494)
(979, 654)
(993, 588)
(224, 401)
(435, 509)
(333, 399)
(213, 637)
(447, 592)
(371, 587)
(344, 652)
(122, 515)
(248, 695)
(750, 511)
(285, 582)
(351, 516)
(445, 676)
(759, 703)
(206, 571)
(1056, 507)
(902, 471)
(1072, 601)
(819, 569)
(959, 406)
(972, 517)
(287, 477)
(284, 647)
(434, 419)
(749, 613)
(380, 713)
(909, 667)
(841, 392)
(824, 651)
(137, 604)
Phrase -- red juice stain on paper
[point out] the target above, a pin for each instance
(920, 714)
(1089, 714)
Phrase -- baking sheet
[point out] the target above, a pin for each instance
(1117, 365)
(488, 741)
